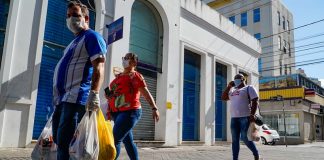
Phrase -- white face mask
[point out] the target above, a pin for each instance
(75, 24)
(126, 63)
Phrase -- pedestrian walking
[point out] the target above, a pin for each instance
(124, 105)
(78, 77)
(242, 113)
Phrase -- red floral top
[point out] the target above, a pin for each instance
(124, 92)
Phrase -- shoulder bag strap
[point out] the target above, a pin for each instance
(258, 107)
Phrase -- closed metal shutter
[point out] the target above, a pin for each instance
(4, 10)
(56, 38)
(145, 128)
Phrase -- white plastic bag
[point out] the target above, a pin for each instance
(252, 133)
(85, 143)
(45, 149)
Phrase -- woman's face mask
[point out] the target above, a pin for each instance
(75, 24)
(237, 82)
(125, 63)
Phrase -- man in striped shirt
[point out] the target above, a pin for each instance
(78, 77)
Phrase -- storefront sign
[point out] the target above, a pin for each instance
(115, 30)
(315, 106)
(309, 92)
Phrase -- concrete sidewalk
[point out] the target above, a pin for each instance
(313, 151)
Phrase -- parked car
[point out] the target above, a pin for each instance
(268, 135)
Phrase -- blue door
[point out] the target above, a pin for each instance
(4, 11)
(220, 106)
(146, 41)
(56, 38)
(191, 96)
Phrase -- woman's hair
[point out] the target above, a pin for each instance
(133, 56)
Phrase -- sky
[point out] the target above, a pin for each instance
(304, 12)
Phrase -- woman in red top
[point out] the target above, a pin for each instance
(124, 104)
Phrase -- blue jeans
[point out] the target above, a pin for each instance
(240, 126)
(65, 120)
(124, 122)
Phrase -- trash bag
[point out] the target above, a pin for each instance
(107, 149)
(85, 142)
(253, 134)
(45, 149)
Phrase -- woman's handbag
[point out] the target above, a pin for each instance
(257, 116)
(258, 119)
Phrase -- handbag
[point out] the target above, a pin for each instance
(257, 116)
(258, 119)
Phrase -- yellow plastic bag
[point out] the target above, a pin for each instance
(107, 149)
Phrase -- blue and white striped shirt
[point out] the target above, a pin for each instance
(73, 73)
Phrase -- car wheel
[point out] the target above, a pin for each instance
(264, 141)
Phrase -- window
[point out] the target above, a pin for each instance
(279, 43)
(232, 18)
(244, 19)
(289, 50)
(285, 46)
(260, 65)
(290, 70)
(257, 36)
(286, 69)
(256, 15)
(278, 18)
(280, 63)
(283, 23)
(276, 122)
(288, 27)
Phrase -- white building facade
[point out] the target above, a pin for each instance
(187, 57)
(270, 22)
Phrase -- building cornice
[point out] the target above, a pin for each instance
(217, 32)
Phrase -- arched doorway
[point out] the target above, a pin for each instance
(146, 41)
(56, 38)
(4, 11)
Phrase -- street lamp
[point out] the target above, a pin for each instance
(280, 98)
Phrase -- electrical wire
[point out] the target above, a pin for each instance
(265, 4)
(321, 51)
(239, 7)
(271, 69)
(302, 26)
(289, 64)
(294, 51)
(297, 40)
(301, 46)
